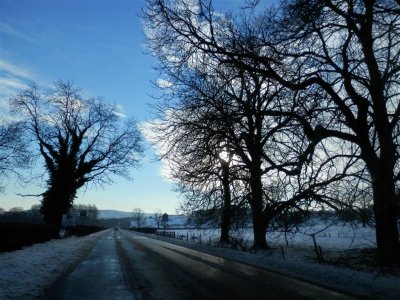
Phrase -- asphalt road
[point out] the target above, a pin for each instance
(131, 266)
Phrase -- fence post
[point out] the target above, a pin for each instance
(283, 252)
(316, 249)
(320, 255)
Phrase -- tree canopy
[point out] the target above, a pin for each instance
(80, 139)
(330, 125)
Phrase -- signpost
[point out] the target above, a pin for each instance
(69, 220)
(164, 220)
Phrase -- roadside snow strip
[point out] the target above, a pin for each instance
(24, 274)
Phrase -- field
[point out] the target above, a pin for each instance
(342, 236)
(346, 244)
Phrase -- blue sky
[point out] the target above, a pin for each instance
(99, 46)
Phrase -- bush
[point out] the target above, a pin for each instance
(14, 236)
(84, 230)
(145, 229)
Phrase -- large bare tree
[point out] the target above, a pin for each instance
(192, 145)
(80, 139)
(350, 50)
(341, 57)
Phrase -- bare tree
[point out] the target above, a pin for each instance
(138, 217)
(193, 141)
(359, 72)
(219, 105)
(346, 51)
(14, 152)
(157, 217)
(237, 113)
(80, 139)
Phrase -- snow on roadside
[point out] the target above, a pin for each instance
(24, 274)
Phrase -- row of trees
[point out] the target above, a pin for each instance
(80, 140)
(281, 109)
(33, 215)
(139, 218)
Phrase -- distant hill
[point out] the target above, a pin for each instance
(117, 214)
(126, 216)
(111, 214)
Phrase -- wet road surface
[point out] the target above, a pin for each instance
(131, 266)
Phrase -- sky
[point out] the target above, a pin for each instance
(99, 45)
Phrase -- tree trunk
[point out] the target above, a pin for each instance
(59, 197)
(55, 203)
(259, 230)
(387, 235)
(226, 209)
(381, 170)
(256, 203)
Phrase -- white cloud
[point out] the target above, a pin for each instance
(7, 29)
(11, 83)
(14, 70)
(145, 128)
(9, 87)
(173, 59)
(166, 171)
(163, 83)
(13, 78)
(119, 111)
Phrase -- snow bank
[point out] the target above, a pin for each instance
(24, 274)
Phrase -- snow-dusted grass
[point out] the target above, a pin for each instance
(24, 274)
(338, 236)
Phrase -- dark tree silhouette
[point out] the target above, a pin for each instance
(347, 51)
(14, 152)
(350, 50)
(193, 150)
(80, 139)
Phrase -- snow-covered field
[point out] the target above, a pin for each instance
(338, 236)
(26, 273)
